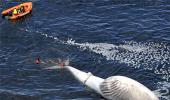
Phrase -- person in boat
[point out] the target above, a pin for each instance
(15, 12)
(21, 9)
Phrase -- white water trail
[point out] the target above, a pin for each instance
(149, 56)
(146, 55)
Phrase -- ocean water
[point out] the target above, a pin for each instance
(105, 37)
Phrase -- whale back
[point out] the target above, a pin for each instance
(124, 88)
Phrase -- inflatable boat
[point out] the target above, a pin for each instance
(20, 11)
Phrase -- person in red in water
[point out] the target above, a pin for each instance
(37, 60)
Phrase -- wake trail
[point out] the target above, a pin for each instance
(149, 56)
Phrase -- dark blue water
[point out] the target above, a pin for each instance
(105, 37)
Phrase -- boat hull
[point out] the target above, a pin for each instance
(27, 10)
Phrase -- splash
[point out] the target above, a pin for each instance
(163, 90)
(148, 56)
(55, 63)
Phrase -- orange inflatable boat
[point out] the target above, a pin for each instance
(20, 11)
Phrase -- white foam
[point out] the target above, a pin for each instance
(149, 56)
(163, 90)
(146, 55)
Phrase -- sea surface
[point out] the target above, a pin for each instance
(104, 37)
